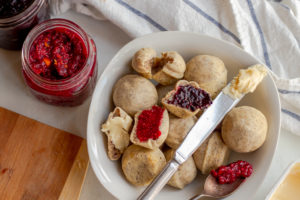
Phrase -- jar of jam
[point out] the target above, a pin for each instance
(17, 18)
(59, 61)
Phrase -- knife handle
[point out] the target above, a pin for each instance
(160, 181)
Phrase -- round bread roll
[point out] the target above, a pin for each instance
(169, 68)
(185, 174)
(186, 103)
(211, 154)
(178, 128)
(134, 93)
(143, 61)
(244, 129)
(163, 127)
(209, 72)
(141, 165)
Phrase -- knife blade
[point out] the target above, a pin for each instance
(205, 125)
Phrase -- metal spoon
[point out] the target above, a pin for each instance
(215, 190)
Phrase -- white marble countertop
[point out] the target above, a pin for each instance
(109, 39)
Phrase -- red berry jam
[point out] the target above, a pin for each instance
(17, 18)
(148, 124)
(191, 98)
(229, 173)
(9, 8)
(57, 54)
(59, 62)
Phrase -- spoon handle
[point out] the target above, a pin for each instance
(199, 196)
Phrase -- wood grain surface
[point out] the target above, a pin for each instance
(39, 162)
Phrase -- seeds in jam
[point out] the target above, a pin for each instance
(148, 124)
(229, 173)
(10, 8)
(57, 54)
(191, 98)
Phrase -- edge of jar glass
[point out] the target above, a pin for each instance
(38, 30)
(19, 18)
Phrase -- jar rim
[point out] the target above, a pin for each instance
(48, 25)
(19, 18)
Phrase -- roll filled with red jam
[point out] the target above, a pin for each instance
(187, 99)
(151, 127)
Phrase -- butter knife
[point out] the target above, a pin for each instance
(196, 136)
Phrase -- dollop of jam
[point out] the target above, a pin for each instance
(57, 54)
(10, 8)
(231, 172)
(191, 98)
(149, 122)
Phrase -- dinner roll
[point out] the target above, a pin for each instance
(211, 154)
(143, 60)
(187, 99)
(134, 93)
(208, 71)
(151, 127)
(178, 129)
(169, 68)
(244, 129)
(141, 165)
(185, 174)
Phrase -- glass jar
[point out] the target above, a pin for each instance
(70, 91)
(14, 29)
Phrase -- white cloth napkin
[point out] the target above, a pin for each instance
(269, 30)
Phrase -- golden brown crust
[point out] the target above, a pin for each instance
(177, 110)
(208, 71)
(134, 93)
(185, 174)
(178, 129)
(211, 154)
(151, 144)
(244, 129)
(141, 165)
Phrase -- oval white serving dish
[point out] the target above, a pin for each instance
(265, 98)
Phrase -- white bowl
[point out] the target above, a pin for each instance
(265, 98)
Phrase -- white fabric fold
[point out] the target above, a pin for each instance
(269, 30)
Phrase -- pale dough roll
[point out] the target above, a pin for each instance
(208, 71)
(141, 165)
(134, 93)
(244, 129)
(178, 129)
(211, 154)
(185, 174)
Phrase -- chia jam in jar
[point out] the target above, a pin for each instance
(17, 18)
(60, 63)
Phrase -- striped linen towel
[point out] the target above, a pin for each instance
(269, 30)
